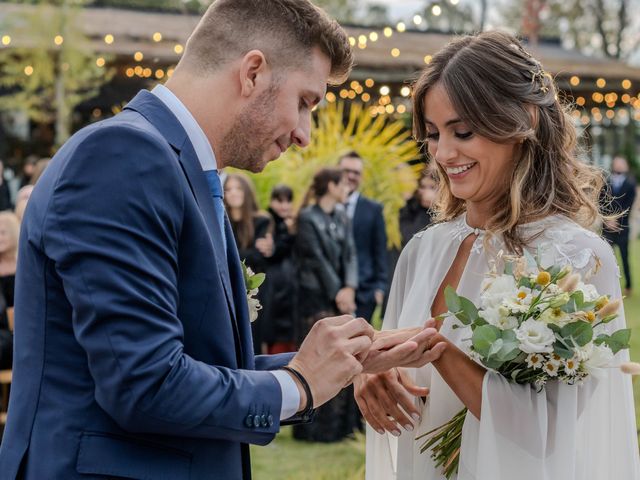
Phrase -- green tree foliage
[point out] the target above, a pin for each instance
(343, 10)
(385, 145)
(459, 18)
(601, 27)
(45, 79)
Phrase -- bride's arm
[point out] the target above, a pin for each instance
(463, 375)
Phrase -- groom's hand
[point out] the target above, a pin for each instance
(408, 347)
(330, 356)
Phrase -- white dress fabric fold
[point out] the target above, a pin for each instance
(564, 432)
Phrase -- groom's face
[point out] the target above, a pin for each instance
(277, 117)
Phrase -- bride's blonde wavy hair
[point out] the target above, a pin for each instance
(503, 94)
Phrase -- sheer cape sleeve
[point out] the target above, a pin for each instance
(585, 432)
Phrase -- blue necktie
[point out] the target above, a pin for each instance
(215, 187)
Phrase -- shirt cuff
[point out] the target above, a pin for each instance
(290, 394)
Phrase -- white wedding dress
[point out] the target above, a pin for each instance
(565, 432)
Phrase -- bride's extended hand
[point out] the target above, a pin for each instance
(408, 347)
(386, 400)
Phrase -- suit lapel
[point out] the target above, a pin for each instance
(157, 113)
(240, 298)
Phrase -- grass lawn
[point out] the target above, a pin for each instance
(288, 459)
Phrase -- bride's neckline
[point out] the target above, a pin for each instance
(463, 229)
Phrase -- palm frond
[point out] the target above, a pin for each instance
(384, 143)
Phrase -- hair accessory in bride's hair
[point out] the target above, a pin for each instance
(538, 76)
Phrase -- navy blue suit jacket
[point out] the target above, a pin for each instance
(133, 353)
(371, 244)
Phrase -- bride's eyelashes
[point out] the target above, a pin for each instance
(460, 135)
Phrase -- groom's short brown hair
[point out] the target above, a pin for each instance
(284, 30)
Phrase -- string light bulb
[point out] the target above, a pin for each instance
(436, 10)
(100, 62)
(178, 49)
(395, 52)
(387, 32)
(138, 56)
(58, 40)
(574, 81)
(157, 37)
(108, 39)
(28, 70)
(6, 40)
(401, 27)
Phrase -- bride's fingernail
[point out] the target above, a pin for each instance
(415, 416)
(408, 427)
(381, 432)
(395, 433)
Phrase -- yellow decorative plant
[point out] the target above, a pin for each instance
(384, 143)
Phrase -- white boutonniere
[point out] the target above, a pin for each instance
(252, 282)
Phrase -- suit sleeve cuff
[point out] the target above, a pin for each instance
(290, 394)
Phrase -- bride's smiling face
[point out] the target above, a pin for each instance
(478, 169)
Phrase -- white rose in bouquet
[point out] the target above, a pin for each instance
(495, 290)
(535, 337)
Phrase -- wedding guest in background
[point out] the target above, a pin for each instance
(9, 233)
(413, 217)
(38, 168)
(252, 230)
(327, 279)
(622, 188)
(279, 313)
(22, 198)
(370, 238)
(5, 192)
(27, 170)
(417, 213)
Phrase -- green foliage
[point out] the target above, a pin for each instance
(63, 75)
(385, 145)
(342, 10)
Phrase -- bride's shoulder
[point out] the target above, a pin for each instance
(570, 243)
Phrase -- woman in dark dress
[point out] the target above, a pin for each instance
(9, 233)
(328, 278)
(280, 312)
(416, 214)
(252, 231)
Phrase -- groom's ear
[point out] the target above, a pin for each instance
(254, 72)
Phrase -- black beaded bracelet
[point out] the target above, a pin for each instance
(307, 414)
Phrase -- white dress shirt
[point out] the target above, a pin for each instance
(352, 201)
(202, 147)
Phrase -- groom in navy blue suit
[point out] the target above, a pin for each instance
(133, 355)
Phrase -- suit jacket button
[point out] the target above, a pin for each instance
(270, 420)
(249, 421)
(256, 421)
(265, 421)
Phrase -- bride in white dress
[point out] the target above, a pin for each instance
(505, 150)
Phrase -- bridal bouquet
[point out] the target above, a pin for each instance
(533, 325)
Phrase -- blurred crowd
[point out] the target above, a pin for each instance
(14, 195)
(328, 258)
